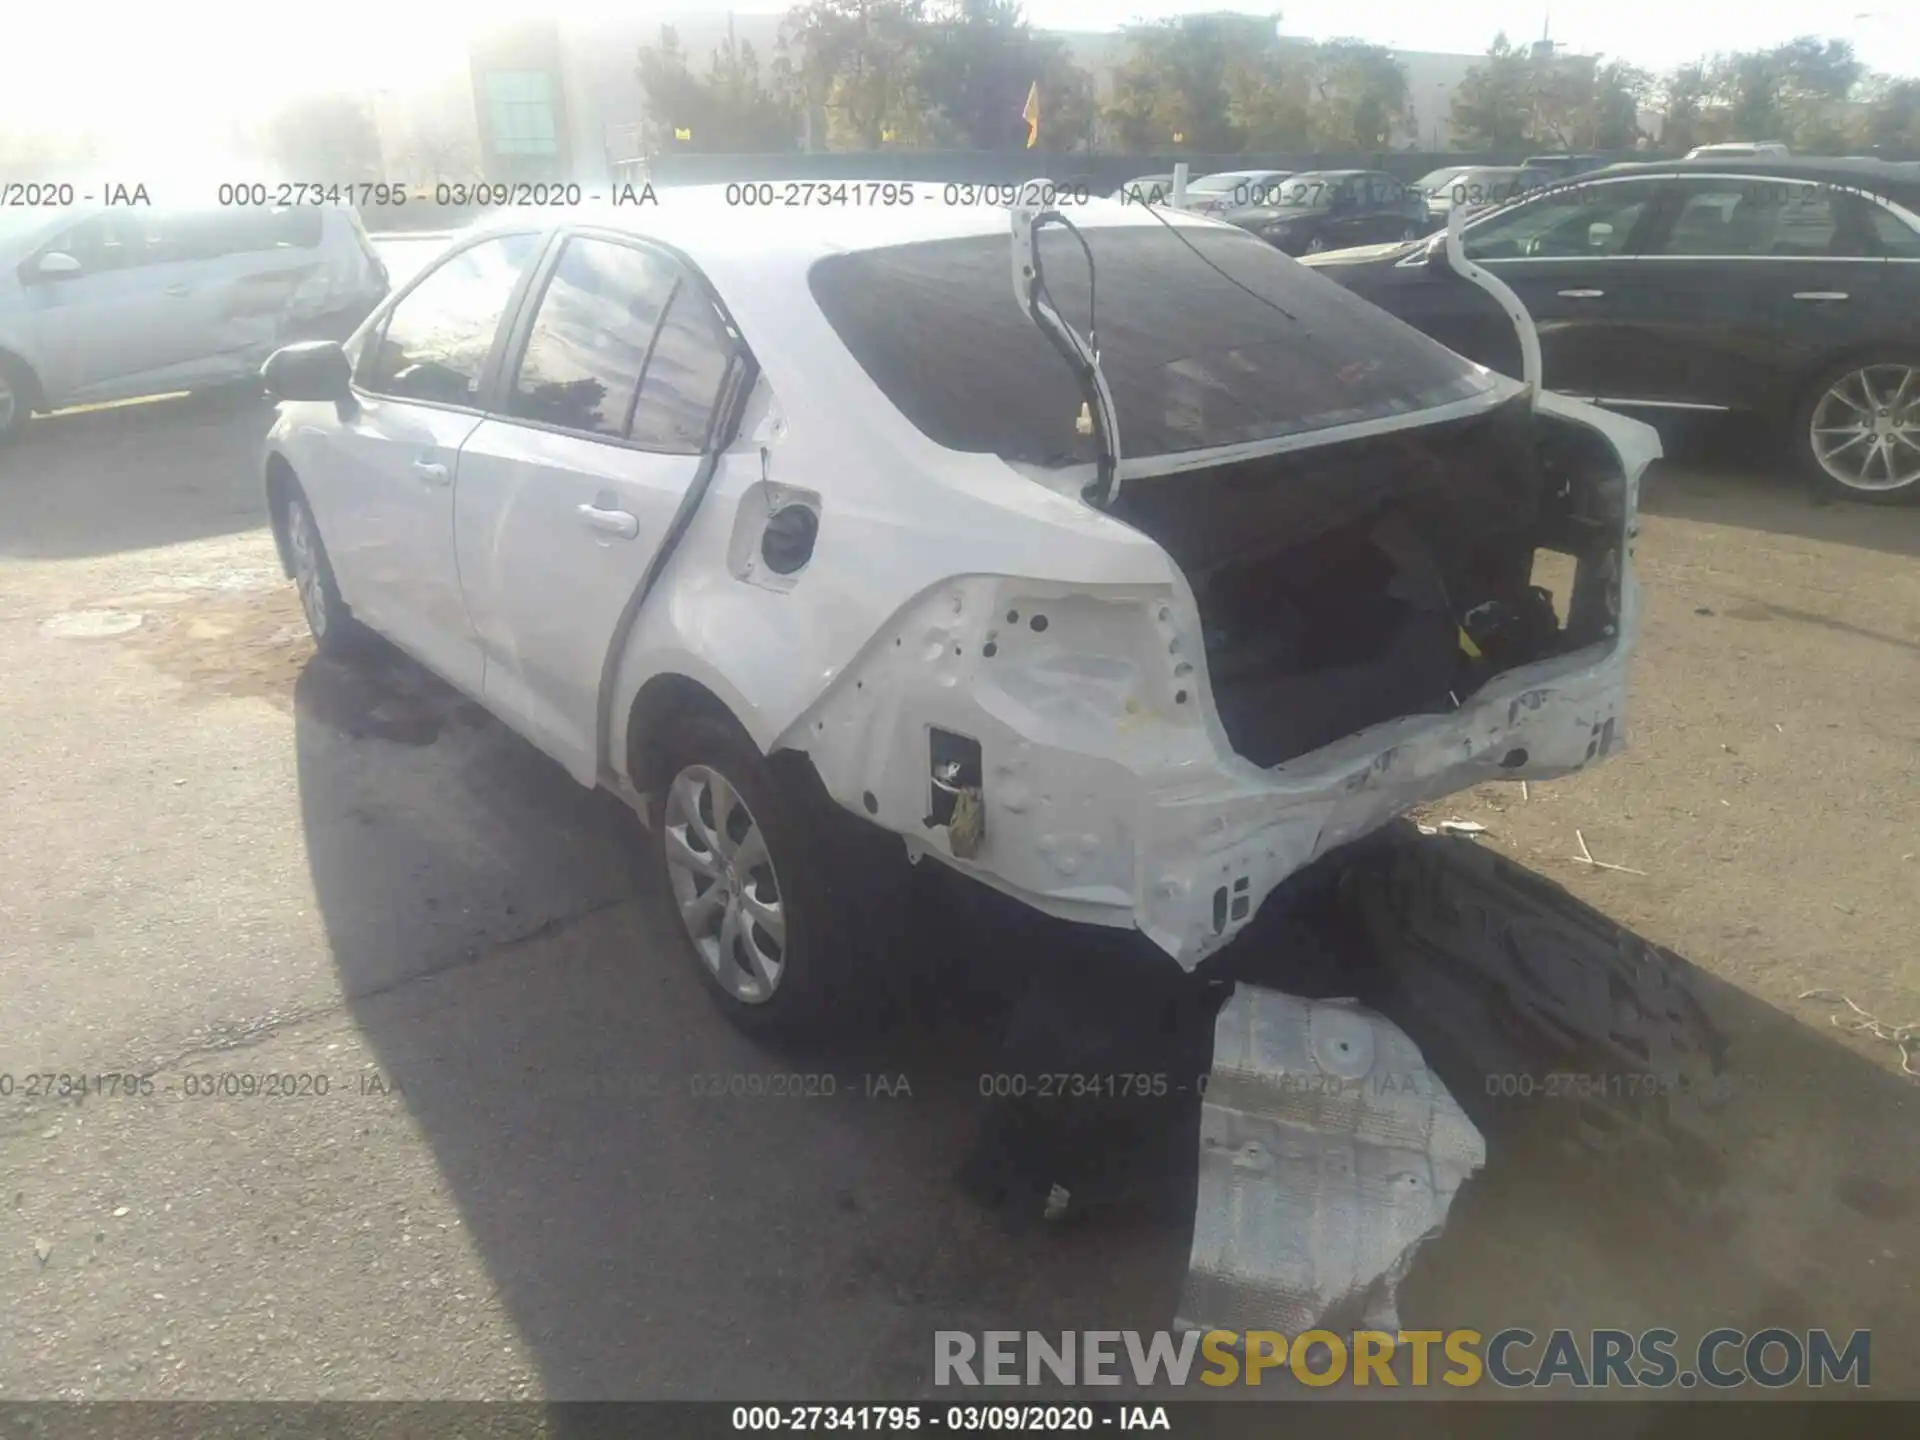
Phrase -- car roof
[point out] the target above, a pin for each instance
(1864, 173)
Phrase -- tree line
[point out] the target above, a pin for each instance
(865, 74)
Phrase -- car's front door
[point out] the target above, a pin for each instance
(386, 510)
(1348, 218)
(1390, 214)
(569, 488)
(1566, 254)
(1748, 283)
(126, 315)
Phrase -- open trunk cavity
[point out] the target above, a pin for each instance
(1348, 584)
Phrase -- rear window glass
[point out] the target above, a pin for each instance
(1193, 358)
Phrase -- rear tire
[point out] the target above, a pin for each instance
(785, 903)
(335, 632)
(1857, 431)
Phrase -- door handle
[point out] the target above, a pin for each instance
(1819, 294)
(610, 522)
(178, 289)
(430, 471)
(1582, 294)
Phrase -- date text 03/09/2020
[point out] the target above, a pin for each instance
(958, 1419)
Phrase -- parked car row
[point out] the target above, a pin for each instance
(1769, 290)
(1306, 212)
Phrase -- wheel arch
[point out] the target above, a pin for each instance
(1800, 387)
(282, 485)
(32, 392)
(662, 697)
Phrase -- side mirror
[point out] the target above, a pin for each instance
(311, 370)
(56, 263)
(1598, 234)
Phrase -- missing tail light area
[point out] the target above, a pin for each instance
(1346, 586)
(955, 799)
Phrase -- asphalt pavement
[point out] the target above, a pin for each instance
(392, 1083)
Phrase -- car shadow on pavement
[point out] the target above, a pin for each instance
(1712, 479)
(134, 476)
(667, 1209)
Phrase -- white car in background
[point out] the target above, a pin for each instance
(1740, 150)
(107, 303)
(1233, 190)
(832, 546)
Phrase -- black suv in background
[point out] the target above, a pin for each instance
(1328, 209)
(1778, 291)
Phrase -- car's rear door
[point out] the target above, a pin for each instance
(384, 495)
(570, 486)
(1748, 284)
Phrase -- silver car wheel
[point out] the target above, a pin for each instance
(724, 883)
(304, 546)
(1865, 430)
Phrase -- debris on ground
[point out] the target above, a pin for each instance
(1585, 857)
(1864, 1022)
(1455, 827)
(1328, 1154)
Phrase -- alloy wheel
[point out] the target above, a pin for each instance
(1865, 429)
(304, 545)
(724, 884)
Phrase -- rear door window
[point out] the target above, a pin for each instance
(1756, 216)
(1222, 343)
(435, 343)
(684, 374)
(1892, 236)
(596, 323)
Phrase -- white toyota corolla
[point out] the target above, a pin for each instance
(1111, 558)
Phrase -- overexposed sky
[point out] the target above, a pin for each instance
(159, 68)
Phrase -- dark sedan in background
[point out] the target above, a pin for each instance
(1320, 210)
(1780, 292)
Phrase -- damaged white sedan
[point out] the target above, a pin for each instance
(1118, 562)
(110, 299)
